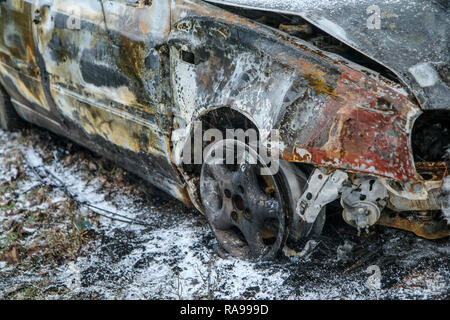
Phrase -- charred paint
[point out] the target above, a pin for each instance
(365, 127)
(337, 116)
(104, 79)
(18, 61)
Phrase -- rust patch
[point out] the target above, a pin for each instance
(428, 229)
(432, 171)
(367, 127)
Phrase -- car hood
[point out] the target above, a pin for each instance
(412, 39)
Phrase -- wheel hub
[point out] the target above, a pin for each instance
(247, 221)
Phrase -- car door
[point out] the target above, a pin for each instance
(108, 67)
(19, 59)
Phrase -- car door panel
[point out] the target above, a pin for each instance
(108, 72)
(19, 65)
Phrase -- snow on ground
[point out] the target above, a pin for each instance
(52, 248)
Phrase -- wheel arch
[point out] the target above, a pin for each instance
(210, 119)
(291, 176)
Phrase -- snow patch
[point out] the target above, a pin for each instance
(425, 74)
(32, 158)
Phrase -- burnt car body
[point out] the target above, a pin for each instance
(362, 112)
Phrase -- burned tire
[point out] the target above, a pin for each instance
(246, 211)
(9, 119)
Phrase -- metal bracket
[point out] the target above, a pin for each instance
(363, 202)
(322, 189)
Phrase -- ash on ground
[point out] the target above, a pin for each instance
(54, 246)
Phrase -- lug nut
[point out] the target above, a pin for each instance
(247, 214)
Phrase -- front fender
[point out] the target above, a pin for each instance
(329, 111)
(365, 126)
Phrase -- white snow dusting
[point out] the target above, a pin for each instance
(425, 74)
(175, 255)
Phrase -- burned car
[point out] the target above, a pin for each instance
(350, 99)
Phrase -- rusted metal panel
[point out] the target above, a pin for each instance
(364, 126)
(423, 226)
(433, 174)
(329, 112)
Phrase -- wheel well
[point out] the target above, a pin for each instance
(431, 135)
(227, 118)
(222, 118)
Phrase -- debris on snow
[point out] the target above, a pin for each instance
(51, 248)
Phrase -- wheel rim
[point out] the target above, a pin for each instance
(245, 211)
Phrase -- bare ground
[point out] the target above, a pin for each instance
(55, 245)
